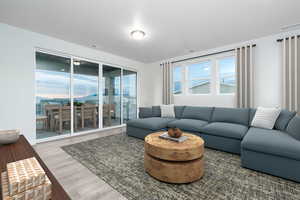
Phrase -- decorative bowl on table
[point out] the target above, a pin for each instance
(174, 132)
(9, 136)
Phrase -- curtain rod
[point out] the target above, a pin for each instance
(280, 40)
(210, 54)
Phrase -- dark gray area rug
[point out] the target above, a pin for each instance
(118, 160)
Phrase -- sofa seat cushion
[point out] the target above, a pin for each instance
(272, 142)
(193, 125)
(228, 130)
(152, 123)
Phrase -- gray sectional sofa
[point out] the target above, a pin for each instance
(275, 151)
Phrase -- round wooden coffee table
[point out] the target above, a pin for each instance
(174, 162)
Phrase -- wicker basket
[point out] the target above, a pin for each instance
(24, 175)
(41, 192)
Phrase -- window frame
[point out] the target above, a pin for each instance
(218, 88)
(214, 75)
(182, 80)
(187, 90)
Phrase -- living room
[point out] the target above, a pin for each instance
(152, 99)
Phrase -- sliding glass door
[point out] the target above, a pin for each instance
(53, 98)
(76, 95)
(111, 110)
(85, 95)
(129, 95)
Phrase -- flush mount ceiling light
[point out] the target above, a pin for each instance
(76, 63)
(137, 34)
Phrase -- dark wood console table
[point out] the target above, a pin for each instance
(22, 150)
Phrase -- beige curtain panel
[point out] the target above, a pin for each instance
(291, 73)
(244, 71)
(167, 83)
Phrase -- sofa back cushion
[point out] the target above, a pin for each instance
(178, 111)
(293, 127)
(282, 121)
(231, 115)
(197, 112)
(156, 112)
(145, 112)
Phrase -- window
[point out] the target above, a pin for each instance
(177, 80)
(227, 80)
(214, 75)
(199, 78)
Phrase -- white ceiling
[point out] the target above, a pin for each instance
(173, 27)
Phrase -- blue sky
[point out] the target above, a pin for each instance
(57, 84)
(227, 66)
(54, 84)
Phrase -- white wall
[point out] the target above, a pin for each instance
(152, 90)
(17, 77)
(267, 75)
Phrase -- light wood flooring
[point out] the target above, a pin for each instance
(77, 180)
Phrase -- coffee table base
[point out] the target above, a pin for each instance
(174, 171)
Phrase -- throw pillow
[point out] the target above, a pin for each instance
(167, 111)
(265, 117)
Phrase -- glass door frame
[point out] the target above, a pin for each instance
(73, 133)
(100, 92)
(137, 91)
(64, 55)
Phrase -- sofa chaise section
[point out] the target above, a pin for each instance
(271, 151)
(275, 151)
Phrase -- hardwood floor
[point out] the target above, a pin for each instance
(77, 180)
